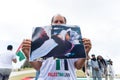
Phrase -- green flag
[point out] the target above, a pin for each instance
(20, 54)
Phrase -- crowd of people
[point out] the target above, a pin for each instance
(97, 67)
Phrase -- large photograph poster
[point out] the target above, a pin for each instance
(65, 42)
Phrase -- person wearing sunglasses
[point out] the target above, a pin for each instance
(57, 69)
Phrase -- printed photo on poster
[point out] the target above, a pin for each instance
(65, 42)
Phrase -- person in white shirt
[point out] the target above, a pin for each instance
(6, 60)
(110, 70)
(57, 69)
(96, 70)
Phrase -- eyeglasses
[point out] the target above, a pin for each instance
(59, 21)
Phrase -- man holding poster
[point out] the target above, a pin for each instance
(57, 68)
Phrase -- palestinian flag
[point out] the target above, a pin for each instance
(20, 54)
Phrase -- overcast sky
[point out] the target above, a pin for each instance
(99, 20)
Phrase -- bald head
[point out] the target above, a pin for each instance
(58, 19)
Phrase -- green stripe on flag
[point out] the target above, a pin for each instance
(57, 64)
(21, 55)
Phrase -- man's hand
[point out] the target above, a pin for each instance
(26, 45)
(80, 62)
(87, 45)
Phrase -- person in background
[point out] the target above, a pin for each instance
(96, 70)
(103, 66)
(87, 68)
(37, 75)
(110, 69)
(57, 69)
(6, 60)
